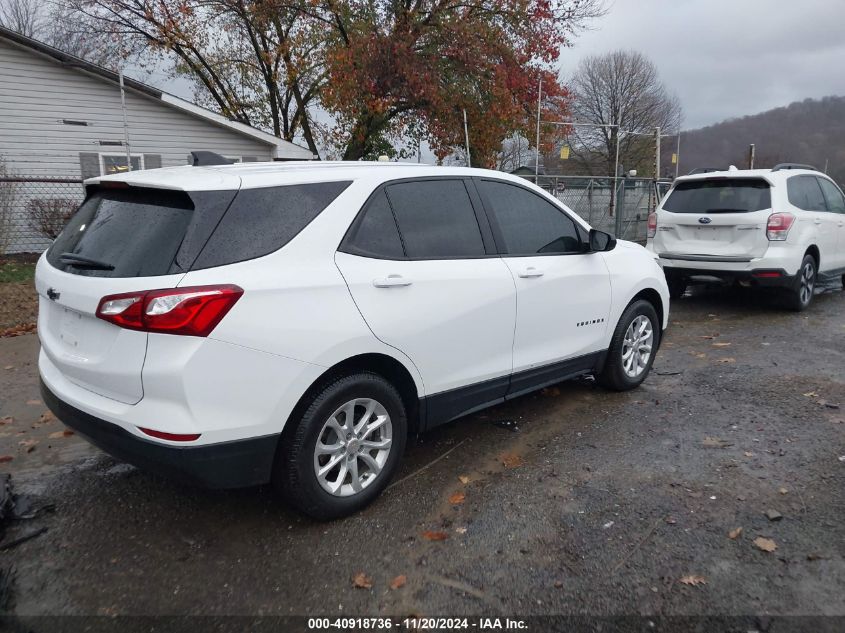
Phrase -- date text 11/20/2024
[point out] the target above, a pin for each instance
(417, 624)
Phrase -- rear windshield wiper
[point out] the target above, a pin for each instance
(727, 210)
(80, 261)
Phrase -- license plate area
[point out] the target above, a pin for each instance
(70, 330)
(712, 233)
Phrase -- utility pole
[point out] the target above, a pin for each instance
(125, 122)
(657, 154)
(751, 153)
(678, 154)
(466, 136)
(537, 157)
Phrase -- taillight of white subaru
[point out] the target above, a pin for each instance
(234, 325)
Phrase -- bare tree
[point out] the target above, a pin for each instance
(516, 151)
(27, 17)
(620, 88)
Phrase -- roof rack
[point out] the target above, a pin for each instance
(203, 159)
(793, 166)
(705, 170)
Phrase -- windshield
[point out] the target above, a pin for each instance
(719, 195)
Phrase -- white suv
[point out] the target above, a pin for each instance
(779, 227)
(239, 324)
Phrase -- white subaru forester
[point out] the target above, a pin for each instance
(781, 228)
(234, 325)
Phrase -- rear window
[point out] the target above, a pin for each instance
(261, 221)
(124, 233)
(723, 195)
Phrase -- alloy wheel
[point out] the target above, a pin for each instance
(352, 447)
(637, 346)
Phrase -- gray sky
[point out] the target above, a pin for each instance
(728, 58)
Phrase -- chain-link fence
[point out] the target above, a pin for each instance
(620, 208)
(32, 212)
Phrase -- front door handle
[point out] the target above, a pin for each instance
(527, 273)
(817, 221)
(392, 281)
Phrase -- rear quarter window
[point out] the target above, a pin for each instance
(722, 195)
(261, 221)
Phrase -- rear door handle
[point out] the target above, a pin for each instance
(392, 281)
(817, 221)
(527, 273)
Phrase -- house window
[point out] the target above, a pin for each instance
(116, 163)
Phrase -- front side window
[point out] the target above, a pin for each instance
(719, 195)
(529, 224)
(835, 201)
(805, 193)
(116, 163)
(436, 219)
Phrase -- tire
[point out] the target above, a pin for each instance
(800, 295)
(677, 287)
(614, 374)
(324, 419)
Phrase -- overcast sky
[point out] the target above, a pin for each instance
(728, 58)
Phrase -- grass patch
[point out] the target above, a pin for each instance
(16, 272)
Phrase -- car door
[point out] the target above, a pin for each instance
(419, 271)
(562, 293)
(805, 193)
(836, 204)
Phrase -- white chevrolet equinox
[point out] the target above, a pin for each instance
(235, 325)
(779, 228)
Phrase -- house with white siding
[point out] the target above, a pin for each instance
(61, 116)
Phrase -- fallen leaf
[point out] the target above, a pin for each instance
(693, 581)
(9, 367)
(35, 403)
(47, 416)
(558, 584)
(5, 458)
(57, 435)
(511, 460)
(765, 544)
(463, 479)
(29, 445)
(735, 533)
(362, 581)
(461, 530)
(715, 442)
(783, 491)
(431, 535)
(7, 420)
(748, 454)
(726, 360)
(68, 433)
(554, 392)
(721, 344)
(811, 394)
(457, 498)
(399, 582)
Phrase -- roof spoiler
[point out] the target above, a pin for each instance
(793, 166)
(202, 158)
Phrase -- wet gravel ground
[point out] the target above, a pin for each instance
(599, 504)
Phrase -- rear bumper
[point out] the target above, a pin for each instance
(234, 464)
(762, 277)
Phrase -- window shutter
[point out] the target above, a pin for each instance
(249, 159)
(89, 164)
(152, 161)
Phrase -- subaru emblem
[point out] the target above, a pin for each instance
(704, 220)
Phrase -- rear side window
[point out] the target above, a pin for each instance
(805, 193)
(529, 224)
(375, 233)
(436, 219)
(124, 233)
(719, 195)
(260, 221)
(835, 201)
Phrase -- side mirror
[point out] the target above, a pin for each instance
(601, 241)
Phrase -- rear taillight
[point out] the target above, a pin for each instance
(652, 224)
(190, 311)
(173, 437)
(777, 228)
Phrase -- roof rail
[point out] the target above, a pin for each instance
(705, 170)
(202, 159)
(793, 166)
